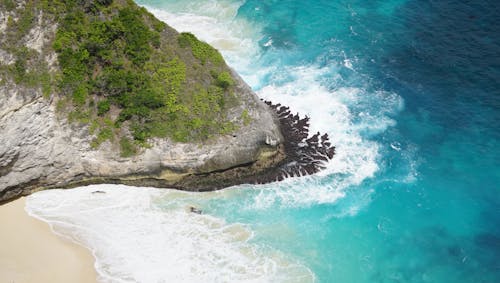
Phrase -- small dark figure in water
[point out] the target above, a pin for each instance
(195, 210)
(98, 192)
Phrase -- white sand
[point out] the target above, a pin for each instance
(30, 252)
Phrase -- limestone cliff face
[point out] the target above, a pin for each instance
(40, 148)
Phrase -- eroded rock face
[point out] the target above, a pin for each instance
(41, 149)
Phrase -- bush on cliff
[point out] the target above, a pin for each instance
(116, 55)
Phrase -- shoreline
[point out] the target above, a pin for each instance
(300, 154)
(31, 252)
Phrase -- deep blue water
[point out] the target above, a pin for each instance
(442, 223)
(409, 92)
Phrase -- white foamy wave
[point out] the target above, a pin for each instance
(147, 235)
(342, 112)
(215, 22)
(339, 113)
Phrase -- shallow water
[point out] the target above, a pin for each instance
(408, 92)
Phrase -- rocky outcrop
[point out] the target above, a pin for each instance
(41, 149)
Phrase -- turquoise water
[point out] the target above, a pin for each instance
(442, 59)
(409, 91)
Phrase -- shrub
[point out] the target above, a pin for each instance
(9, 5)
(137, 35)
(26, 20)
(103, 107)
(79, 115)
(201, 50)
(19, 70)
(224, 80)
(46, 82)
(114, 55)
(104, 134)
(245, 117)
(80, 94)
(127, 148)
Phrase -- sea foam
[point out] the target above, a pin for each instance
(341, 112)
(149, 235)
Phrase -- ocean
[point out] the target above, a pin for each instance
(409, 93)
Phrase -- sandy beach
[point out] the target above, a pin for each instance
(30, 252)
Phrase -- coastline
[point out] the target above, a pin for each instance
(31, 252)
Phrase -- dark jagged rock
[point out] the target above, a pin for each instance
(304, 156)
(298, 155)
(43, 149)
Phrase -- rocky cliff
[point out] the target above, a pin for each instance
(56, 133)
(41, 148)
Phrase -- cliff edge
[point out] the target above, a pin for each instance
(42, 146)
(100, 91)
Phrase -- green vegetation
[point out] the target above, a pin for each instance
(106, 133)
(8, 5)
(201, 50)
(29, 68)
(124, 59)
(26, 19)
(245, 117)
(224, 80)
(127, 147)
(79, 115)
(19, 68)
(103, 107)
(119, 74)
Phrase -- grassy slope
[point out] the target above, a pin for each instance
(123, 72)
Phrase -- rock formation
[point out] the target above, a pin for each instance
(41, 148)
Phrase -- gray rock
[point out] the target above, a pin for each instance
(39, 148)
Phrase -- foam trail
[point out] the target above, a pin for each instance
(149, 235)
